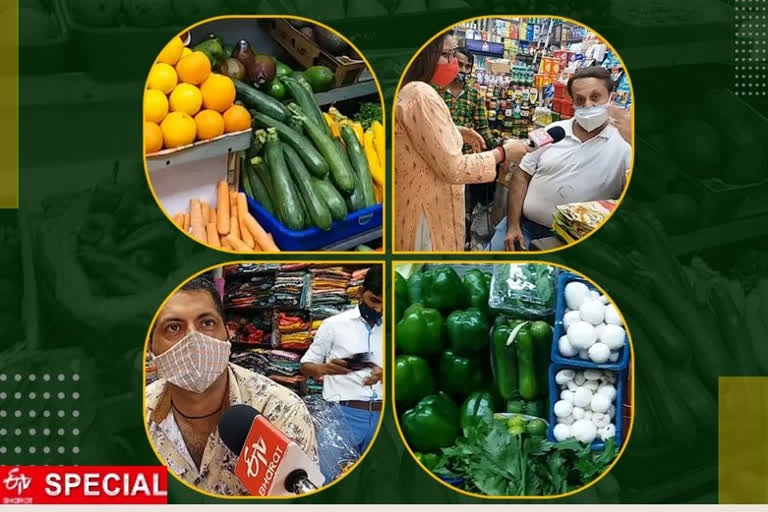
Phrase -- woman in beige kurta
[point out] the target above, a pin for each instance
(430, 169)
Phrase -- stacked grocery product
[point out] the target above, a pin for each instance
(479, 377)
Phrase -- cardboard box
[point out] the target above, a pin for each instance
(498, 66)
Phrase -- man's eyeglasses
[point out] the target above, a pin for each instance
(449, 54)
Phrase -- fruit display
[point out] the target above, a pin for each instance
(479, 395)
(185, 101)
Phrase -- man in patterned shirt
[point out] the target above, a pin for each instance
(466, 104)
(196, 384)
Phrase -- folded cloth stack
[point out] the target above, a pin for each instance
(292, 267)
(251, 328)
(300, 340)
(247, 292)
(329, 289)
(314, 387)
(355, 285)
(296, 383)
(269, 362)
(289, 289)
(291, 323)
(323, 312)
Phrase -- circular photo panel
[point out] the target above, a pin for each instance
(265, 134)
(511, 380)
(521, 125)
(265, 379)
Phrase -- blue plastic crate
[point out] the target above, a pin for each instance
(554, 396)
(314, 238)
(455, 482)
(560, 307)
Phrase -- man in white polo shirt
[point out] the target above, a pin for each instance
(589, 164)
(348, 355)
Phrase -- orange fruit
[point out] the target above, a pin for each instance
(162, 77)
(209, 123)
(236, 118)
(186, 98)
(179, 129)
(194, 69)
(218, 92)
(186, 51)
(155, 105)
(172, 52)
(153, 137)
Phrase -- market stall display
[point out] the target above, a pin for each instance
(483, 397)
(242, 105)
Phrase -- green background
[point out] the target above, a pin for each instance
(80, 138)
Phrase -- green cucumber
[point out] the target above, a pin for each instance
(260, 169)
(287, 204)
(264, 103)
(359, 164)
(305, 100)
(341, 170)
(311, 157)
(261, 193)
(245, 178)
(333, 199)
(356, 200)
(316, 207)
(307, 220)
(526, 364)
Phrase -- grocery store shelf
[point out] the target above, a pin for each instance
(351, 243)
(198, 151)
(347, 92)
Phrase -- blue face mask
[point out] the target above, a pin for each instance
(369, 314)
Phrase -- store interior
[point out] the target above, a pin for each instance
(521, 67)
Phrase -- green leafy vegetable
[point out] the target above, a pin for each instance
(496, 463)
(369, 112)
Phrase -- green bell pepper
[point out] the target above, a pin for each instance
(467, 331)
(526, 365)
(431, 424)
(441, 289)
(429, 460)
(420, 331)
(478, 406)
(413, 379)
(413, 288)
(476, 289)
(542, 350)
(401, 290)
(504, 361)
(460, 375)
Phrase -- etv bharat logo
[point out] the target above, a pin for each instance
(256, 458)
(17, 481)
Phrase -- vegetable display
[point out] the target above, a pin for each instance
(521, 427)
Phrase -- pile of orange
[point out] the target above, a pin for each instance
(185, 102)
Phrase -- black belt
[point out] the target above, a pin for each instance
(361, 404)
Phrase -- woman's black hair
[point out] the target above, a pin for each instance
(424, 65)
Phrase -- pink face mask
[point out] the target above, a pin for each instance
(445, 72)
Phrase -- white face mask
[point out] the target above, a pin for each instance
(591, 118)
(194, 362)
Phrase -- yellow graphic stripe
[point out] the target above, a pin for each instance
(9, 106)
(743, 440)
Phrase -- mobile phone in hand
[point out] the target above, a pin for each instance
(358, 361)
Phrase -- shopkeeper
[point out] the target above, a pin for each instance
(589, 164)
(466, 104)
(190, 353)
(341, 339)
(430, 169)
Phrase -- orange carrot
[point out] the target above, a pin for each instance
(242, 213)
(225, 244)
(222, 206)
(196, 224)
(212, 217)
(213, 235)
(263, 239)
(235, 226)
(186, 222)
(178, 219)
(206, 211)
(237, 245)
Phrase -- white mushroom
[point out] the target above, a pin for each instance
(563, 408)
(614, 336)
(572, 385)
(564, 376)
(584, 354)
(565, 348)
(582, 335)
(567, 395)
(592, 374)
(584, 431)
(600, 404)
(607, 432)
(579, 379)
(591, 385)
(599, 353)
(613, 357)
(568, 420)
(583, 397)
(575, 294)
(601, 420)
(592, 311)
(570, 318)
(607, 390)
(561, 432)
(577, 413)
(612, 315)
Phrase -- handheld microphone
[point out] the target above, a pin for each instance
(268, 464)
(541, 137)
